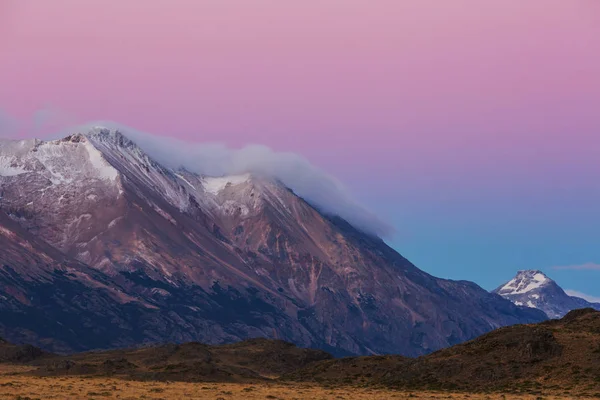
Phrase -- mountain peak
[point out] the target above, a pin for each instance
(524, 282)
(534, 289)
(530, 271)
(74, 138)
(59, 162)
(533, 273)
(109, 136)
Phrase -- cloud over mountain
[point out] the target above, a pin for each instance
(215, 159)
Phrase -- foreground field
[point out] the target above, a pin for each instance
(28, 388)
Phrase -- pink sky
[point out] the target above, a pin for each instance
(422, 88)
(446, 79)
(458, 92)
(489, 106)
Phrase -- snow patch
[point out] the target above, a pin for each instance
(215, 185)
(114, 222)
(8, 168)
(105, 170)
(185, 180)
(523, 284)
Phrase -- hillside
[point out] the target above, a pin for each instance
(559, 355)
(254, 360)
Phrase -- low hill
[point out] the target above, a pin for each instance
(561, 355)
(250, 360)
(13, 353)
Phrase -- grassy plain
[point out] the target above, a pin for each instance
(16, 384)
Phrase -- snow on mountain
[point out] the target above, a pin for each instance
(524, 282)
(143, 172)
(218, 258)
(9, 167)
(215, 185)
(44, 185)
(59, 161)
(180, 187)
(534, 289)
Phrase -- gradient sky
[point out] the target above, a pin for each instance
(472, 126)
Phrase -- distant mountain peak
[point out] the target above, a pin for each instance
(524, 282)
(534, 289)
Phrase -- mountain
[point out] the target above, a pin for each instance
(19, 354)
(556, 355)
(116, 249)
(535, 290)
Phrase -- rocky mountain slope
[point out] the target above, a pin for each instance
(534, 289)
(557, 355)
(57, 302)
(117, 245)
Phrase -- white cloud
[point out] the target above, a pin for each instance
(308, 181)
(575, 293)
(580, 267)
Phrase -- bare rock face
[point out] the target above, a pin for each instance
(534, 289)
(169, 255)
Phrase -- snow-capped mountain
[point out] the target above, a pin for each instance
(116, 249)
(534, 289)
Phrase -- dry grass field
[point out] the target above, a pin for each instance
(14, 385)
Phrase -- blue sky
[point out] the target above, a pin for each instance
(490, 243)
